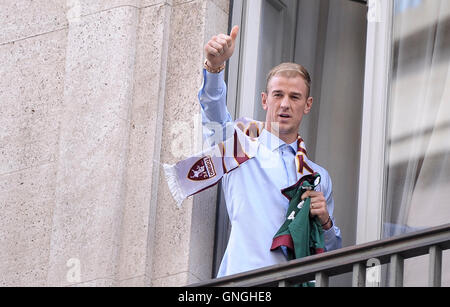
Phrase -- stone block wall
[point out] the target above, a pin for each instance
(92, 96)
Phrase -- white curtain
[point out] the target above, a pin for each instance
(418, 157)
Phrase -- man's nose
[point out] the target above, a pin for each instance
(285, 103)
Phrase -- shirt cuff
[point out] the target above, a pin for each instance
(213, 81)
(329, 234)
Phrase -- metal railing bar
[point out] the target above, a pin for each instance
(396, 271)
(435, 266)
(359, 275)
(321, 279)
(340, 261)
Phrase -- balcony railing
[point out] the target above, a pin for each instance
(321, 267)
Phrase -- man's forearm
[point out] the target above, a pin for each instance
(212, 98)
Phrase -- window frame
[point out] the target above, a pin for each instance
(373, 172)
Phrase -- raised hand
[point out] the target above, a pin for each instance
(220, 48)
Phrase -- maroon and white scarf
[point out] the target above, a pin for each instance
(203, 170)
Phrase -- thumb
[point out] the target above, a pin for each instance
(234, 33)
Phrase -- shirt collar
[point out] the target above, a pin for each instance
(273, 142)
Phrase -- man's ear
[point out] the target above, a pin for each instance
(308, 106)
(264, 100)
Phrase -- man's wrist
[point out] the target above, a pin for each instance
(328, 224)
(213, 69)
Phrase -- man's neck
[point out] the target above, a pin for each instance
(288, 139)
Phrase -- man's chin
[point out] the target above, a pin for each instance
(281, 129)
(286, 128)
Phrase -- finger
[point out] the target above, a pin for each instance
(322, 214)
(310, 194)
(306, 195)
(314, 212)
(317, 205)
(317, 212)
(234, 33)
(220, 39)
(318, 200)
(216, 46)
(320, 207)
(227, 39)
(223, 43)
(313, 193)
(211, 50)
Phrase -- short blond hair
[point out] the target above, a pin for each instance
(290, 70)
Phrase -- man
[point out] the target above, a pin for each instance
(255, 204)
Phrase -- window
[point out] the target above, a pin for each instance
(405, 167)
(418, 144)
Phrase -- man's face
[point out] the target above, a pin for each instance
(285, 104)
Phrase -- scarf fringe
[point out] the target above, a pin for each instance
(174, 186)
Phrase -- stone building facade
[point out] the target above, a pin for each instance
(91, 93)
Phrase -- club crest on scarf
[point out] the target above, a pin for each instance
(203, 169)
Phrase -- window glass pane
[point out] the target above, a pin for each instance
(418, 157)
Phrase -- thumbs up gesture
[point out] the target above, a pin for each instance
(220, 48)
